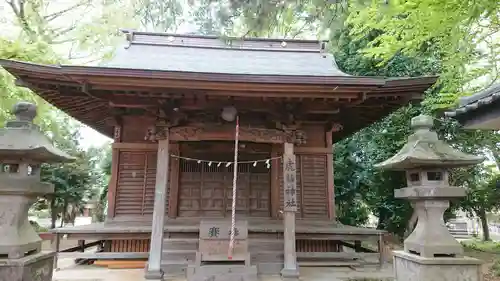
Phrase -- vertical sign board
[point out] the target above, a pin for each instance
(290, 182)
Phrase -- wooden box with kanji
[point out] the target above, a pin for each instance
(215, 237)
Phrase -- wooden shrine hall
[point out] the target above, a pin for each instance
(171, 103)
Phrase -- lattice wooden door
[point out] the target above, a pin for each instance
(206, 190)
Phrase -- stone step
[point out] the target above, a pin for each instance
(180, 244)
(174, 270)
(269, 268)
(258, 245)
(222, 272)
(178, 256)
(266, 256)
(327, 263)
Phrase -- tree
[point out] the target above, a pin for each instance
(84, 28)
(102, 166)
(73, 186)
(464, 33)
(483, 195)
(162, 16)
(385, 47)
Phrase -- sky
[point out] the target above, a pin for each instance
(89, 137)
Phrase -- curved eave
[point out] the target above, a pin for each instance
(371, 89)
(92, 71)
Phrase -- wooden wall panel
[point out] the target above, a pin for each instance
(136, 183)
(315, 136)
(206, 190)
(314, 177)
(135, 128)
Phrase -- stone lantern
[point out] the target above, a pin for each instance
(430, 253)
(23, 148)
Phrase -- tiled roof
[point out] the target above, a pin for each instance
(476, 101)
(208, 54)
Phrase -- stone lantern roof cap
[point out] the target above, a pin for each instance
(22, 139)
(425, 150)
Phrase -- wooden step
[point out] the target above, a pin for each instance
(178, 256)
(180, 244)
(327, 263)
(174, 269)
(121, 264)
(269, 268)
(267, 256)
(336, 255)
(258, 245)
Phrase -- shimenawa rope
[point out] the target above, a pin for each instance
(235, 177)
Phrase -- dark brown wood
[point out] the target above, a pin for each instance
(173, 196)
(250, 147)
(313, 150)
(330, 181)
(135, 146)
(90, 94)
(55, 245)
(205, 189)
(113, 182)
(275, 182)
(211, 133)
(135, 183)
(381, 249)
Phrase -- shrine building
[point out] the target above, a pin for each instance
(172, 104)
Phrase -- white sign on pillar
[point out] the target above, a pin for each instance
(290, 182)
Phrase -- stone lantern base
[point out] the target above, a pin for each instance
(410, 267)
(36, 267)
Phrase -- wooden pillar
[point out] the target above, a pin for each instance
(330, 179)
(113, 181)
(173, 196)
(55, 244)
(290, 270)
(275, 184)
(153, 269)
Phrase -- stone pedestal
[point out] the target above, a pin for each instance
(37, 267)
(410, 267)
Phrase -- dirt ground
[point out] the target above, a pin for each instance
(488, 259)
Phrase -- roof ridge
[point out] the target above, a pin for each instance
(132, 32)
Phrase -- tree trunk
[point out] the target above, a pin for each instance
(53, 213)
(382, 216)
(63, 213)
(411, 223)
(484, 225)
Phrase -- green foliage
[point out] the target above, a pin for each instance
(495, 268)
(162, 16)
(463, 33)
(102, 166)
(83, 29)
(483, 246)
(348, 178)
